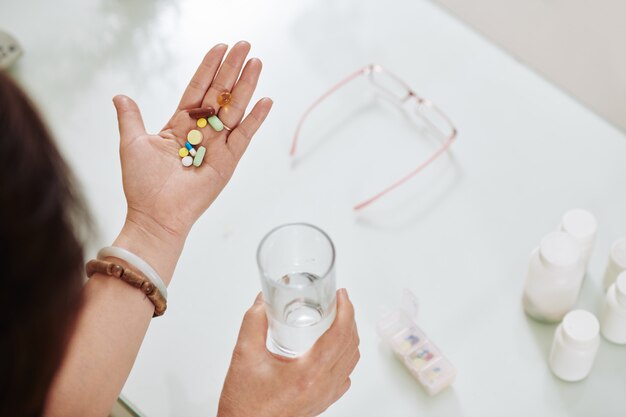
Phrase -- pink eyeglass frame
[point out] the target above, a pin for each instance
(410, 95)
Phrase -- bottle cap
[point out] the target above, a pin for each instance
(580, 328)
(581, 225)
(620, 288)
(558, 249)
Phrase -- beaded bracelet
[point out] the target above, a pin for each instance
(133, 278)
(136, 262)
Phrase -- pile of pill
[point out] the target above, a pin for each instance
(203, 116)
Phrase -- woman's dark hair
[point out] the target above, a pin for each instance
(41, 255)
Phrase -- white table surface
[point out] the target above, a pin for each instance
(459, 239)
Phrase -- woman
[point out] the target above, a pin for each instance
(68, 347)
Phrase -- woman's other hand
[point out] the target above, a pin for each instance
(261, 384)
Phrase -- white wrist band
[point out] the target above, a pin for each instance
(137, 262)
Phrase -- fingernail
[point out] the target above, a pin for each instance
(344, 293)
(259, 298)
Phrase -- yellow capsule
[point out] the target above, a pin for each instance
(201, 122)
(183, 152)
(194, 137)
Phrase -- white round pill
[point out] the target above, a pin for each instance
(187, 161)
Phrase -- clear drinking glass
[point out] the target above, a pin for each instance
(297, 266)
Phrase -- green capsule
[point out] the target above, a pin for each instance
(197, 160)
(216, 123)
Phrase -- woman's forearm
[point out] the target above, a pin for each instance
(109, 330)
(164, 200)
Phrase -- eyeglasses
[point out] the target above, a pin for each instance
(398, 91)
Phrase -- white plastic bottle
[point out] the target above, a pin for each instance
(613, 316)
(555, 274)
(582, 226)
(617, 262)
(575, 345)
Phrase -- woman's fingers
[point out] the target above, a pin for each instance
(346, 363)
(129, 118)
(215, 75)
(227, 74)
(342, 371)
(348, 348)
(342, 390)
(330, 347)
(240, 137)
(241, 93)
(201, 80)
(347, 359)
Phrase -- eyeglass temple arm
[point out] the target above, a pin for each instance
(324, 96)
(402, 180)
(362, 71)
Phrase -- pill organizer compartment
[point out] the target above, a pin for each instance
(411, 345)
(421, 357)
(407, 340)
(437, 375)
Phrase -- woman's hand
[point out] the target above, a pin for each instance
(261, 384)
(164, 198)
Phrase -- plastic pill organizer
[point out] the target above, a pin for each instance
(411, 345)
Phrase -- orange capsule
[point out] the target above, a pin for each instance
(224, 99)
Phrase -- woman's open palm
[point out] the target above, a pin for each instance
(156, 184)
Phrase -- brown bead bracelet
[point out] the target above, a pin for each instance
(130, 277)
